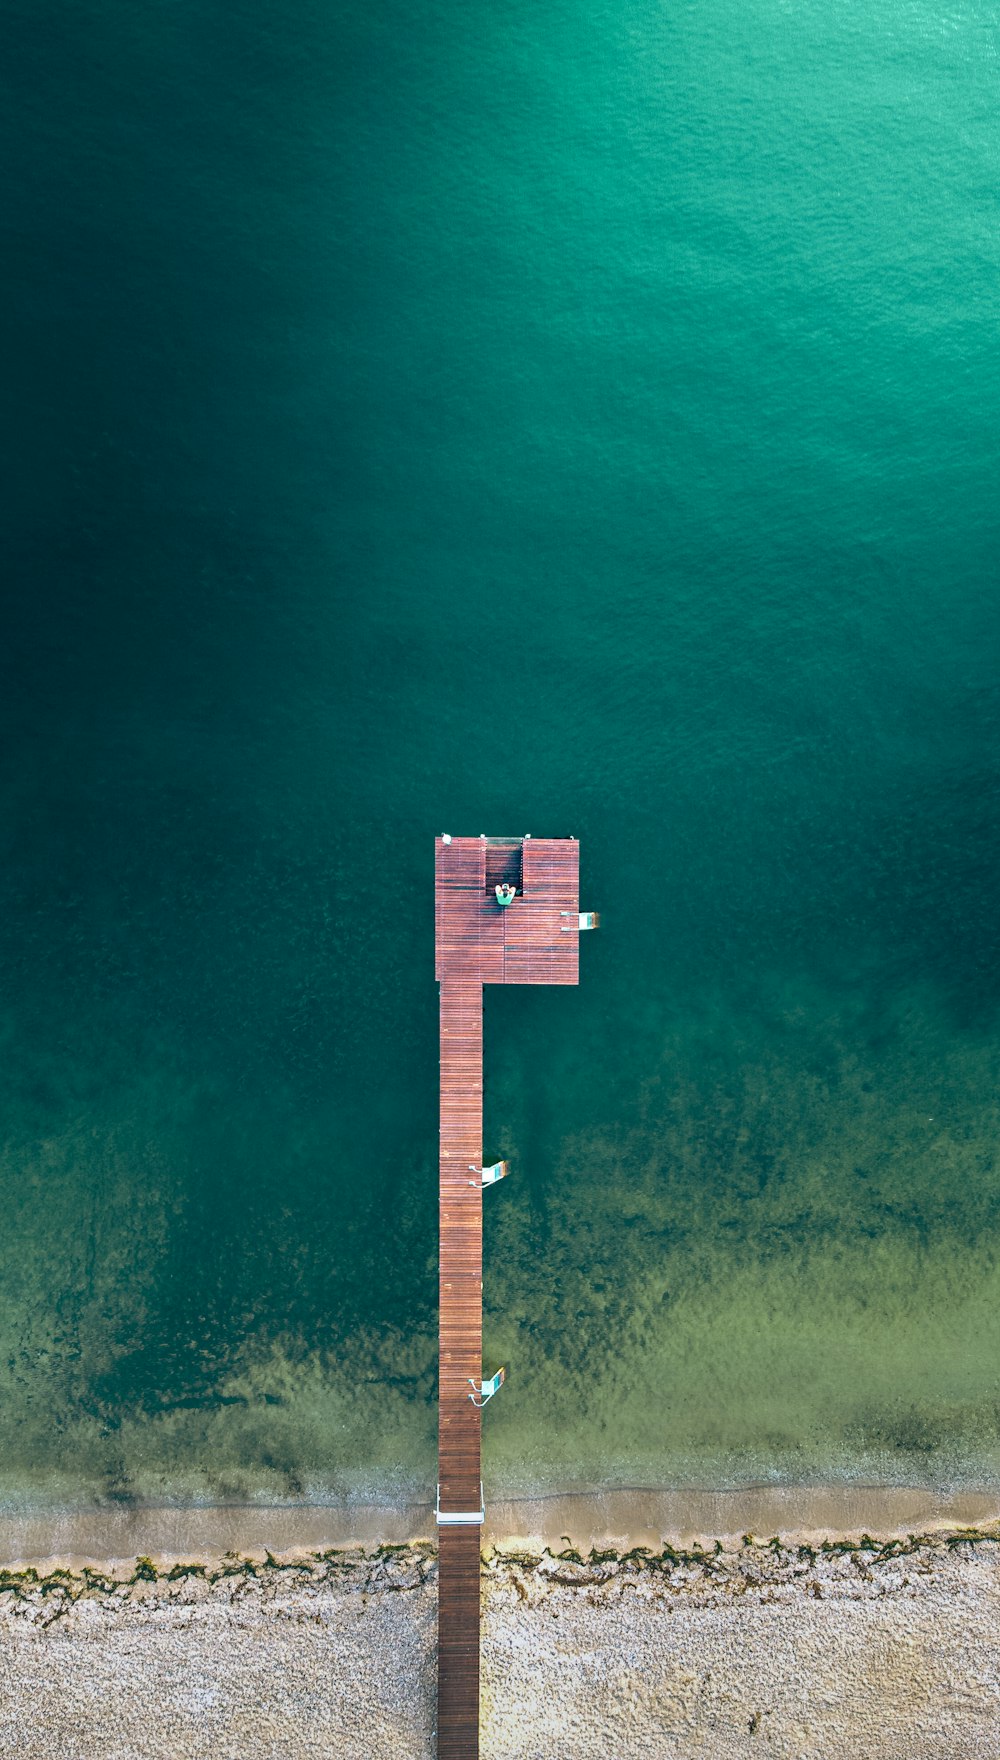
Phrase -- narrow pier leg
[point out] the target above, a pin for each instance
(461, 1359)
(458, 1643)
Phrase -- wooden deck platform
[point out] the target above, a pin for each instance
(535, 940)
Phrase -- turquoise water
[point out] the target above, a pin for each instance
(472, 419)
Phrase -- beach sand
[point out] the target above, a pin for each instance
(622, 1518)
(791, 1647)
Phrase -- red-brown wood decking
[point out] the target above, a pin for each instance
(533, 941)
(458, 1642)
(461, 1355)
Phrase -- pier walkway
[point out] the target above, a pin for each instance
(534, 940)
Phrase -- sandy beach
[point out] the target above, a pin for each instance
(620, 1518)
(829, 1646)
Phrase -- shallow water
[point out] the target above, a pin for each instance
(478, 422)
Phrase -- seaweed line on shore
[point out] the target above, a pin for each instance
(765, 1570)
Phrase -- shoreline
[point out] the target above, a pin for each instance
(846, 1650)
(617, 1519)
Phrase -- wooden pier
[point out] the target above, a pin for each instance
(534, 940)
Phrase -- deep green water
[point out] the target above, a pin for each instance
(568, 419)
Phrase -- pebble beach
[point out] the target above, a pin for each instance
(847, 1647)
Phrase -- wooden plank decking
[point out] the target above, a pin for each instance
(461, 1257)
(533, 941)
(461, 1355)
